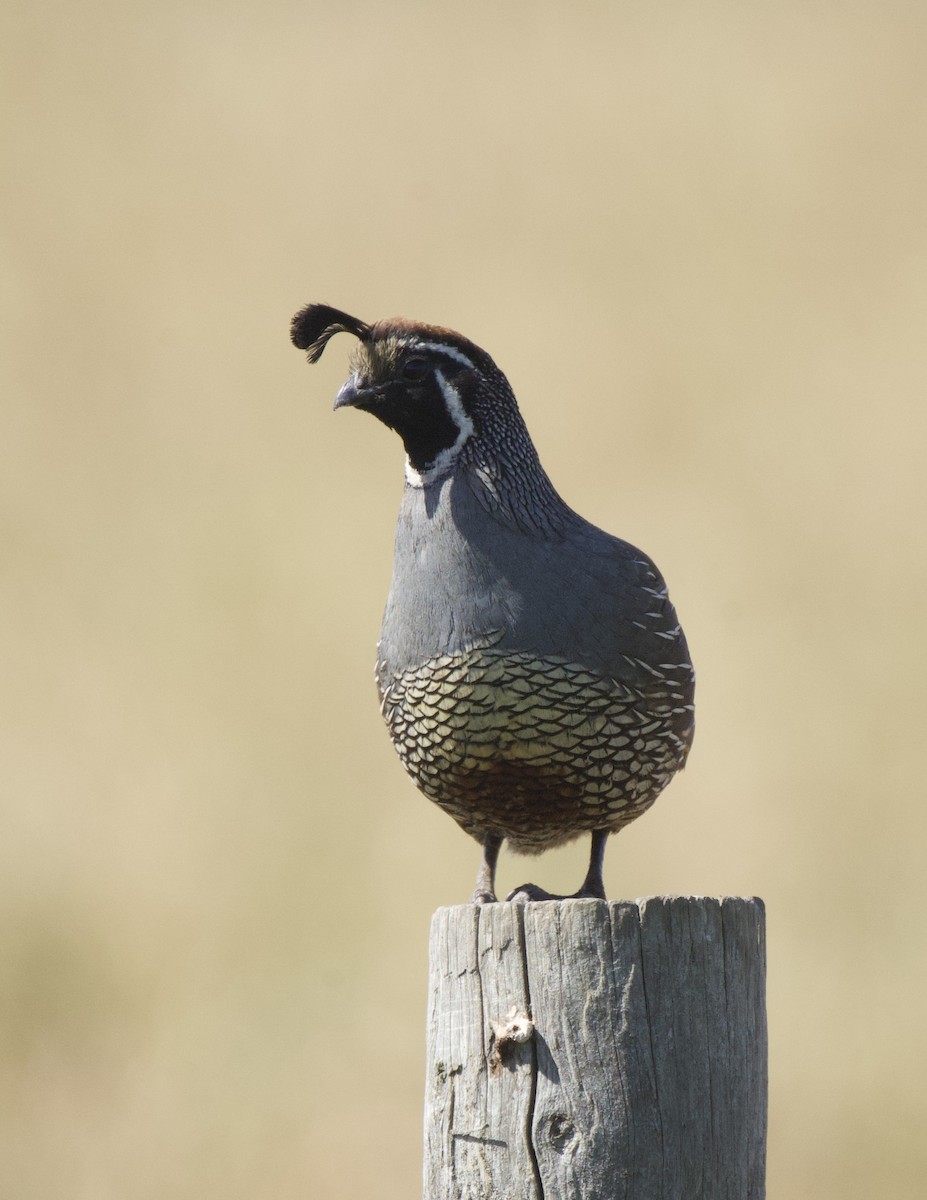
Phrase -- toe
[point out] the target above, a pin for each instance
(529, 892)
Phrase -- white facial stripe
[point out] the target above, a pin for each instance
(444, 348)
(445, 460)
(456, 409)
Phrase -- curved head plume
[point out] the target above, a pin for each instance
(314, 325)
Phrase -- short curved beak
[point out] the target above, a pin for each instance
(350, 395)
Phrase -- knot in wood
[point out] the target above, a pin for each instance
(561, 1132)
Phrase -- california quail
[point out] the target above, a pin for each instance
(531, 670)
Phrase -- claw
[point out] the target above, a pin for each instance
(531, 892)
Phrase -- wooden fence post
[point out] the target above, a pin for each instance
(595, 1050)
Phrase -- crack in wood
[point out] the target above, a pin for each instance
(645, 1074)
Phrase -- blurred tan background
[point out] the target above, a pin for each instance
(695, 237)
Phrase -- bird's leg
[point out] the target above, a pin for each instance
(486, 877)
(593, 885)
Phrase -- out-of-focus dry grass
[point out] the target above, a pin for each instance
(695, 239)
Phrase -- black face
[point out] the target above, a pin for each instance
(427, 382)
(419, 391)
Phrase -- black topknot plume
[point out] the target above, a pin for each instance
(313, 325)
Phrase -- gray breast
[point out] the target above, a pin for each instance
(462, 575)
(534, 684)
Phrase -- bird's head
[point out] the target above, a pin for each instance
(434, 387)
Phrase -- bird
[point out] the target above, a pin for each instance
(531, 669)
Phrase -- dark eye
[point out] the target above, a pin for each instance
(415, 368)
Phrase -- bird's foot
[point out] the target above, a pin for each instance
(531, 892)
(481, 896)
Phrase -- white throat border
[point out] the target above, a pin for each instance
(444, 462)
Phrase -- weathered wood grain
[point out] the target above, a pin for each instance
(645, 1073)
